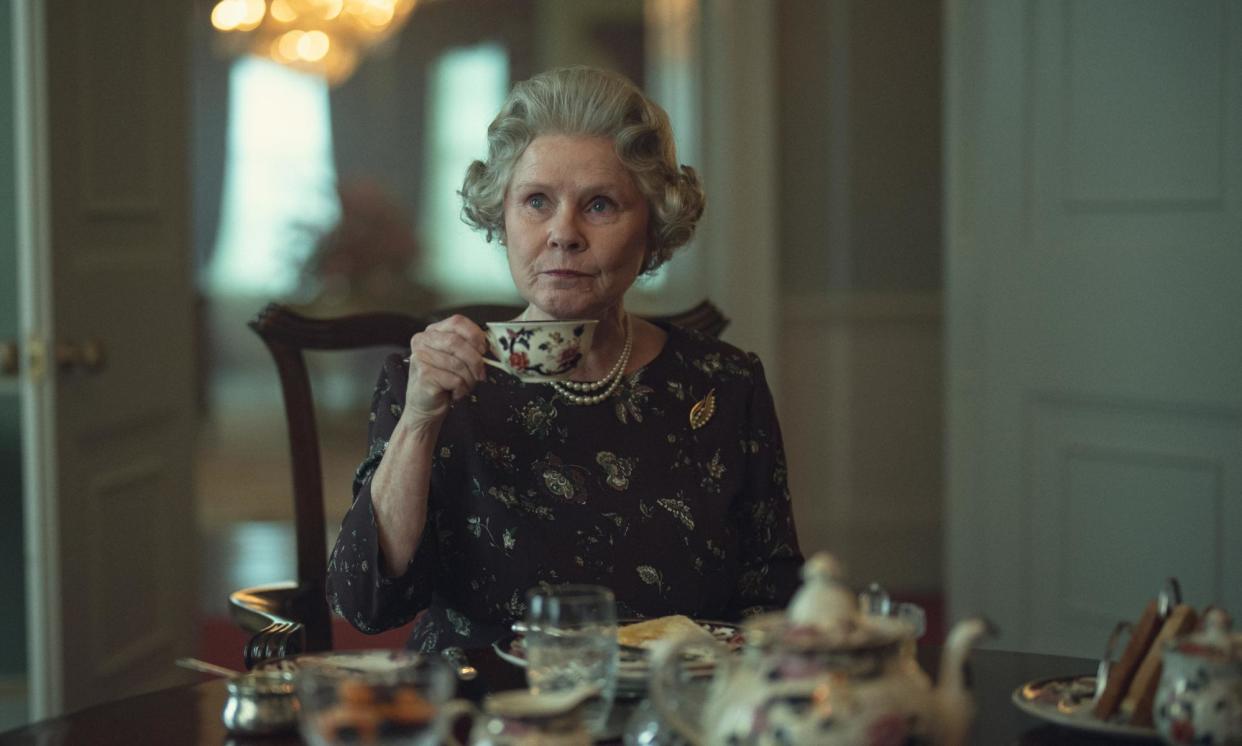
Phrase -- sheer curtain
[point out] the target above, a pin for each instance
(466, 87)
(279, 180)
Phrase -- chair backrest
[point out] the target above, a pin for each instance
(288, 335)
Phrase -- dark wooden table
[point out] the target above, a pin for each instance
(191, 714)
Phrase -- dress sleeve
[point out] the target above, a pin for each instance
(770, 560)
(358, 589)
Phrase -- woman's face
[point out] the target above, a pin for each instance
(575, 226)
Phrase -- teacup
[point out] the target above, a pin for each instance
(539, 351)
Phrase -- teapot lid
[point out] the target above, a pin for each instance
(824, 612)
(823, 602)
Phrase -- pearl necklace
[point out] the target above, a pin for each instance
(610, 382)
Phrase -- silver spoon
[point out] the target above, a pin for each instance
(194, 664)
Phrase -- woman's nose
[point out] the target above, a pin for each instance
(564, 234)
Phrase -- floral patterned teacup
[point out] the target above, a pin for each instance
(539, 351)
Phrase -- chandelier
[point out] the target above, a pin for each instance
(323, 37)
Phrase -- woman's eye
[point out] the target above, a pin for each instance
(600, 204)
(537, 201)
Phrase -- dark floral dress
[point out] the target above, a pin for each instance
(528, 489)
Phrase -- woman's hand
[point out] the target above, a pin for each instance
(446, 363)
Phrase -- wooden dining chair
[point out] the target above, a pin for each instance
(292, 616)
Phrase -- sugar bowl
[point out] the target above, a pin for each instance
(260, 703)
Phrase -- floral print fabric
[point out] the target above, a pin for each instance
(528, 489)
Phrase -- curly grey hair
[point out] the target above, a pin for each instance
(586, 101)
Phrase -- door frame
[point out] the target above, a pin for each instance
(738, 127)
(43, 625)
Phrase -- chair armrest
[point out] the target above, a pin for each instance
(268, 612)
(257, 607)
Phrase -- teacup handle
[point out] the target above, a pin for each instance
(492, 356)
(451, 712)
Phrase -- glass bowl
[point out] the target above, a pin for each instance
(379, 698)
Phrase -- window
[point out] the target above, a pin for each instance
(279, 179)
(466, 87)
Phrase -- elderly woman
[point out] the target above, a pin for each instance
(479, 487)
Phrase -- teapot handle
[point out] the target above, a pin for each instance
(665, 664)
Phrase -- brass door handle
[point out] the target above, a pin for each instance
(87, 356)
(10, 359)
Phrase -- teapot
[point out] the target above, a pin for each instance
(822, 672)
(1199, 697)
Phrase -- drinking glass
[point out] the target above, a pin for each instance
(571, 641)
(875, 601)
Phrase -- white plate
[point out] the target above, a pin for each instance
(1043, 699)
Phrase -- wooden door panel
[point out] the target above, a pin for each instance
(1093, 318)
(1122, 496)
(117, 529)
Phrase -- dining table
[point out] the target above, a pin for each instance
(191, 714)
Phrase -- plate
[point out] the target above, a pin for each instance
(1066, 701)
(633, 665)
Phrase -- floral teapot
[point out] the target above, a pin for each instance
(1199, 699)
(822, 672)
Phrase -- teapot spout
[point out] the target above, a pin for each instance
(954, 704)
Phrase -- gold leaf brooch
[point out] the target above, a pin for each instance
(703, 410)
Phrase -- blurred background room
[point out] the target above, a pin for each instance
(988, 252)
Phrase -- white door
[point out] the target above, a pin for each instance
(105, 286)
(1094, 247)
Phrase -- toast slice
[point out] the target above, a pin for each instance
(644, 634)
(1136, 707)
(1122, 672)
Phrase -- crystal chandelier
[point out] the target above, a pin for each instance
(323, 37)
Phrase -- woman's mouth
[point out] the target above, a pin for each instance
(564, 273)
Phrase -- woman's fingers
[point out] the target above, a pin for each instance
(464, 328)
(446, 370)
(430, 389)
(446, 362)
(464, 356)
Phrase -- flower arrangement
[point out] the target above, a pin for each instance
(365, 261)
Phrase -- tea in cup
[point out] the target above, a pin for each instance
(539, 351)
